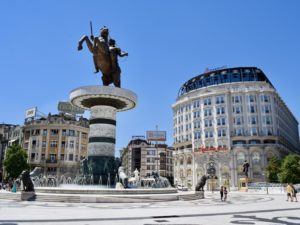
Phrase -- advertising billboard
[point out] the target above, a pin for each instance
(156, 135)
(30, 112)
(67, 107)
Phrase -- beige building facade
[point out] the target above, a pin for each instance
(56, 143)
(222, 118)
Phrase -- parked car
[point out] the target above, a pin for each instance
(181, 188)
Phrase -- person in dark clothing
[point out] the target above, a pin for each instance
(222, 193)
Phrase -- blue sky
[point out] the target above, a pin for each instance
(168, 42)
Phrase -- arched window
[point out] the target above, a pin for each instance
(181, 161)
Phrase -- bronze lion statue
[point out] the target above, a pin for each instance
(26, 181)
(201, 183)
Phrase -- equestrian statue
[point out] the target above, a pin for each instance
(105, 56)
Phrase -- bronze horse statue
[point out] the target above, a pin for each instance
(104, 59)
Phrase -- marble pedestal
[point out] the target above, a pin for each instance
(103, 102)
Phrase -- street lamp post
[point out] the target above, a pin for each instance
(266, 182)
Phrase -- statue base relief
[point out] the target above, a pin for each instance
(199, 194)
(27, 195)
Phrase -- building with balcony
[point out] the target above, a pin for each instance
(222, 118)
(9, 134)
(147, 157)
(56, 143)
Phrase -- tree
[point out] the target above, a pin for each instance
(15, 161)
(290, 169)
(273, 169)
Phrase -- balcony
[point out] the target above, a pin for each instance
(51, 161)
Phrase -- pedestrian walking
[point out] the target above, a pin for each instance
(294, 197)
(289, 192)
(225, 194)
(222, 193)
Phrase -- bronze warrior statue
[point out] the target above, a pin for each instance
(105, 56)
(246, 168)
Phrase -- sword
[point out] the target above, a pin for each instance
(91, 27)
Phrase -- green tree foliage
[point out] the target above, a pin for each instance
(273, 169)
(290, 169)
(15, 161)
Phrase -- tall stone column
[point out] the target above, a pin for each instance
(103, 102)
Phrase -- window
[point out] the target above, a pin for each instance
(72, 133)
(239, 132)
(220, 110)
(267, 120)
(71, 144)
(265, 98)
(207, 101)
(44, 132)
(44, 144)
(52, 157)
(252, 109)
(70, 157)
(197, 135)
(266, 109)
(238, 120)
(221, 132)
(251, 98)
(237, 99)
(237, 109)
(221, 121)
(54, 132)
(207, 112)
(252, 120)
(62, 157)
(53, 144)
(253, 131)
(64, 133)
(197, 114)
(220, 99)
(208, 123)
(151, 152)
(197, 124)
(196, 104)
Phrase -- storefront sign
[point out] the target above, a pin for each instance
(209, 149)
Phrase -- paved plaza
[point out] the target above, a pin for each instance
(240, 208)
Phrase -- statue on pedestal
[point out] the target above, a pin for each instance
(105, 56)
(246, 168)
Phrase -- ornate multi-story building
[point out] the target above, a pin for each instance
(147, 157)
(222, 118)
(56, 143)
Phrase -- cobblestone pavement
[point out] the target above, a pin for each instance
(241, 208)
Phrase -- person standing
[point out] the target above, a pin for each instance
(289, 191)
(225, 194)
(294, 196)
(222, 193)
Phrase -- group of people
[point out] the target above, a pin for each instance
(223, 193)
(291, 193)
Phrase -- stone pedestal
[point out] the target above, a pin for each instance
(27, 195)
(199, 194)
(103, 102)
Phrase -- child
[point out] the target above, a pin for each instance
(225, 194)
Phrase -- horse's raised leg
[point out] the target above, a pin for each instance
(88, 43)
